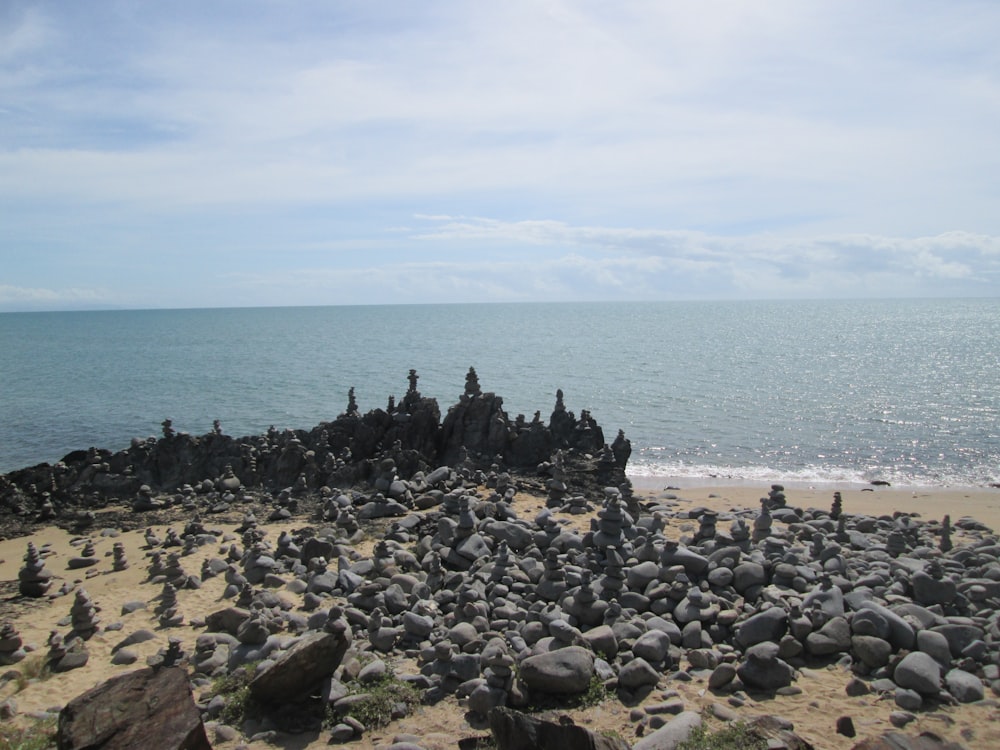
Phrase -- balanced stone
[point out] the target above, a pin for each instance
(83, 615)
(34, 578)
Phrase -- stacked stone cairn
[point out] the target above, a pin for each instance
(166, 610)
(119, 561)
(34, 579)
(83, 615)
(837, 508)
(86, 558)
(11, 645)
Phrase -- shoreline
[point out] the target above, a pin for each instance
(648, 482)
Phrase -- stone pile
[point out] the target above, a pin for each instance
(83, 615)
(34, 579)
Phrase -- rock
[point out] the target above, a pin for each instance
(832, 638)
(311, 659)
(653, 646)
(768, 625)
(566, 670)
(964, 687)
(721, 676)
(763, 669)
(873, 652)
(130, 710)
(918, 671)
(845, 726)
(670, 735)
(638, 674)
(513, 730)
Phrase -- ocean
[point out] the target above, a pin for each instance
(906, 391)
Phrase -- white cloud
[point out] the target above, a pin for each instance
(830, 143)
(18, 297)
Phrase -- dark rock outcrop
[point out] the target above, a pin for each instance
(133, 710)
(513, 730)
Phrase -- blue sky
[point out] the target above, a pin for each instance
(192, 154)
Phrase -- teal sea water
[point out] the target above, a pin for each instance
(828, 391)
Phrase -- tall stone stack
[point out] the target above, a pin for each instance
(34, 579)
(11, 650)
(83, 615)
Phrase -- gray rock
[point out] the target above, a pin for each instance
(918, 671)
(763, 669)
(873, 652)
(936, 645)
(653, 646)
(832, 638)
(566, 670)
(908, 700)
(964, 687)
(768, 625)
(638, 674)
(748, 574)
(671, 734)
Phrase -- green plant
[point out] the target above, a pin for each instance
(38, 736)
(33, 667)
(235, 688)
(595, 694)
(734, 736)
(381, 699)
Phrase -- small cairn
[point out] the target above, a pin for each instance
(144, 500)
(169, 617)
(34, 579)
(119, 562)
(11, 650)
(706, 527)
(172, 656)
(762, 523)
(838, 506)
(556, 484)
(86, 558)
(611, 521)
(613, 580)
(83, 615)
(498, 669)
(945, 544)
(65, 655)
(552, 585)
(776, 497)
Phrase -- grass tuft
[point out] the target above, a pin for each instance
(734, 736)
(235, 688)
(383, 698)
(39, 736)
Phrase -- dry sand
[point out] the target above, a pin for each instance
(814, 712)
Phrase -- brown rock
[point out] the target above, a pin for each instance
(146, 708)
(514, 730)
(311, 659)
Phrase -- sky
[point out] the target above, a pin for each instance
(262, 153)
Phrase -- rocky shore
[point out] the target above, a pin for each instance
(483, 576)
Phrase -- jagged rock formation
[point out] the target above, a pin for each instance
(476, 434)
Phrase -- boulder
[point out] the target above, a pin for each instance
(964, 687)
(565, 670)
(130, 710)
(513, 730)
(918, 671)
(671, 734)
(768, 625)
(763, 669)
(311, 659)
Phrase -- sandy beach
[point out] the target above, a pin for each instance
(813, 710)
